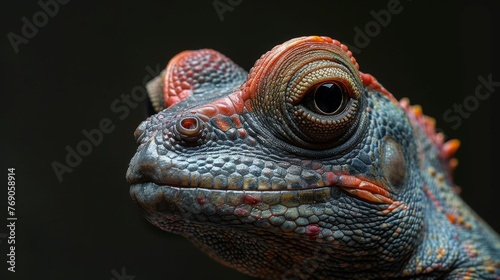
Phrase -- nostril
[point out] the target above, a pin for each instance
(189, 126)
(190, 130)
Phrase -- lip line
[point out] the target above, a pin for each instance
(139, 183)
(350, 184)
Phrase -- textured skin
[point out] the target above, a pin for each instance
(254, 174)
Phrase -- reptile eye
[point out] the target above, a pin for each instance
(310, 95)
(327, 110)
(327, 98)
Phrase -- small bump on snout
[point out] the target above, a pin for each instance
(393, 163)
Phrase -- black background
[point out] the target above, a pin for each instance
(66, 77)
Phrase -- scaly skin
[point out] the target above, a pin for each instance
(304, 168)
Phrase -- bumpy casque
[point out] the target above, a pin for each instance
(304, 168)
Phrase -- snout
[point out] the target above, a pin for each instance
(144, 165)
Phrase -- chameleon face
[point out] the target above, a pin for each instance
(303, 167)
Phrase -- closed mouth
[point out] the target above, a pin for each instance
(166, 206)
(192, 203)
(353, 185)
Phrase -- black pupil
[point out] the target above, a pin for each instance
(329, 98)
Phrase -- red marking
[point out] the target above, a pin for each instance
(183, 67)
(360, 186)
(233, 104)
(428, 125)
(449, 148)
(236, 120)
(330, 178)
(373, 192)
(451, 218)
(175, 88)
(222, 124)
(225, 106)
(256, 216)
(207, 111)
(313, 231)
(201, 200)
(248, 105)
(393, 206)
(248, 199)
(242, 132)
(241, 212)
(280, 53)
(432, 196)
(371, 82)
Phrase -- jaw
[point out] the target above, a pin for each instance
(267, 234)
(271, 234)
(286, 211)
(240, 229)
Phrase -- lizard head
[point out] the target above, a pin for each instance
(304, 166)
